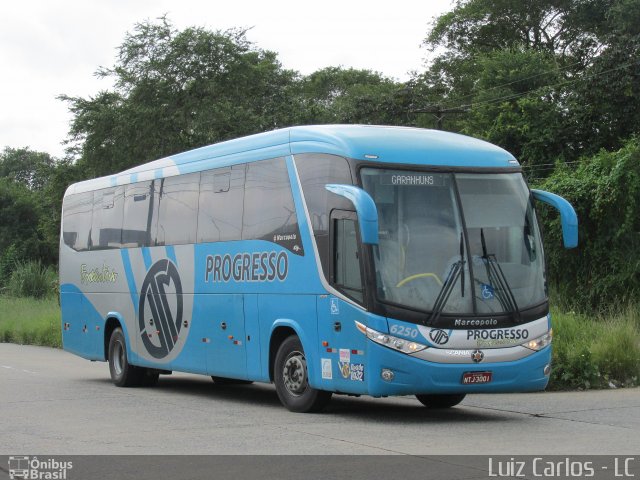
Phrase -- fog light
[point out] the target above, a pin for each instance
(387, 375)
(547, 369)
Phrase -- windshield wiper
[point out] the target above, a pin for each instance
(456, 270)
(497, 277)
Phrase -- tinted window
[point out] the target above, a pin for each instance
(138, 214)
(77, 220)
(347, 265)
(220, 208)
(106, 230)
(178, 211)
(269, 212)
(315, 171)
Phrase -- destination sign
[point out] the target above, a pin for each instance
(413, 179)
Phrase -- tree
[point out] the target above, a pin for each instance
(338, 95)
(547, 80)
(515, 106)
(25, 166)
(32, 185)
(176, 90)
(565, 27)
(20, 237)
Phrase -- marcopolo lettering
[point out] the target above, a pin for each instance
(247, 267)
(513, 334)
(475, 322)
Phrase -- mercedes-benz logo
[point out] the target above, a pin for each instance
(477, 356)
(439, 337)
(160, 308)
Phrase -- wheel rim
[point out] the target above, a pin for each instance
(294, 373)
(119, 358)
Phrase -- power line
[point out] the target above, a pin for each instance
(567, 82)
(558, 69)
(440, 112)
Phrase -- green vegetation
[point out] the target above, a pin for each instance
(30, 321)
(604, 271)
(596, 352)
(32, 279)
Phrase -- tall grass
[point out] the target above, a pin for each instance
(32, 279)
(596, 352)
(30, 321)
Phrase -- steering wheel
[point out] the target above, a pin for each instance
(411, 278)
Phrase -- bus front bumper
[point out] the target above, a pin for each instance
(412, 375)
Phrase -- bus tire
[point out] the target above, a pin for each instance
(230, 381)
(440, 401)
(291, 379)
(123, 374)
(149, 377)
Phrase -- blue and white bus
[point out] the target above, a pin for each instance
(360, 260)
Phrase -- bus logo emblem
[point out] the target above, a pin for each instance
(160, 308)
(477, 356)
(439, 337)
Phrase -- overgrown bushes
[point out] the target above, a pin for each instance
(31, 279)
(596, 352)
(604, 271)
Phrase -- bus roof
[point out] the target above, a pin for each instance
(383, 144)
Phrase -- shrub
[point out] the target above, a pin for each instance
(604, 270)
(32, 279)
(596, 352)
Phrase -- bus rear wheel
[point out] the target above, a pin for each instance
(292, 381)
(441, 401)
(123, 374)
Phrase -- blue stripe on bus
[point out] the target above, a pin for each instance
(131, 281)
(146, 255)
(171, 253)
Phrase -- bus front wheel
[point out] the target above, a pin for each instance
(292, 381)
(440, 401)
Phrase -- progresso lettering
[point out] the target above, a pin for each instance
(514, 334)
(247, 267)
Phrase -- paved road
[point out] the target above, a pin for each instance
(55, 403)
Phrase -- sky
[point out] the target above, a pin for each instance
(48, 48)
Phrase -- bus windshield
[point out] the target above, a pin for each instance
(456, 243)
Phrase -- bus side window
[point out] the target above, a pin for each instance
(315, 171)
(221, 204)
(269, 211)
(77, 221)
(106, 229)
(346, 260)
(138, 214)
(178, 210)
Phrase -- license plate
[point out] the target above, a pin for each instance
(475, 378)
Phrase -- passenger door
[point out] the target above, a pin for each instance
(343, 358)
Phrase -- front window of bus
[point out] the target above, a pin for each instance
(456, 243)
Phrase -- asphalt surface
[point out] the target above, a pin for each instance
(55, 403)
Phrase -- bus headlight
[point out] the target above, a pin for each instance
(540, 342)
(395, 343)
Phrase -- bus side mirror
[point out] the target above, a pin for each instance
(365, 208)
(568, 216)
